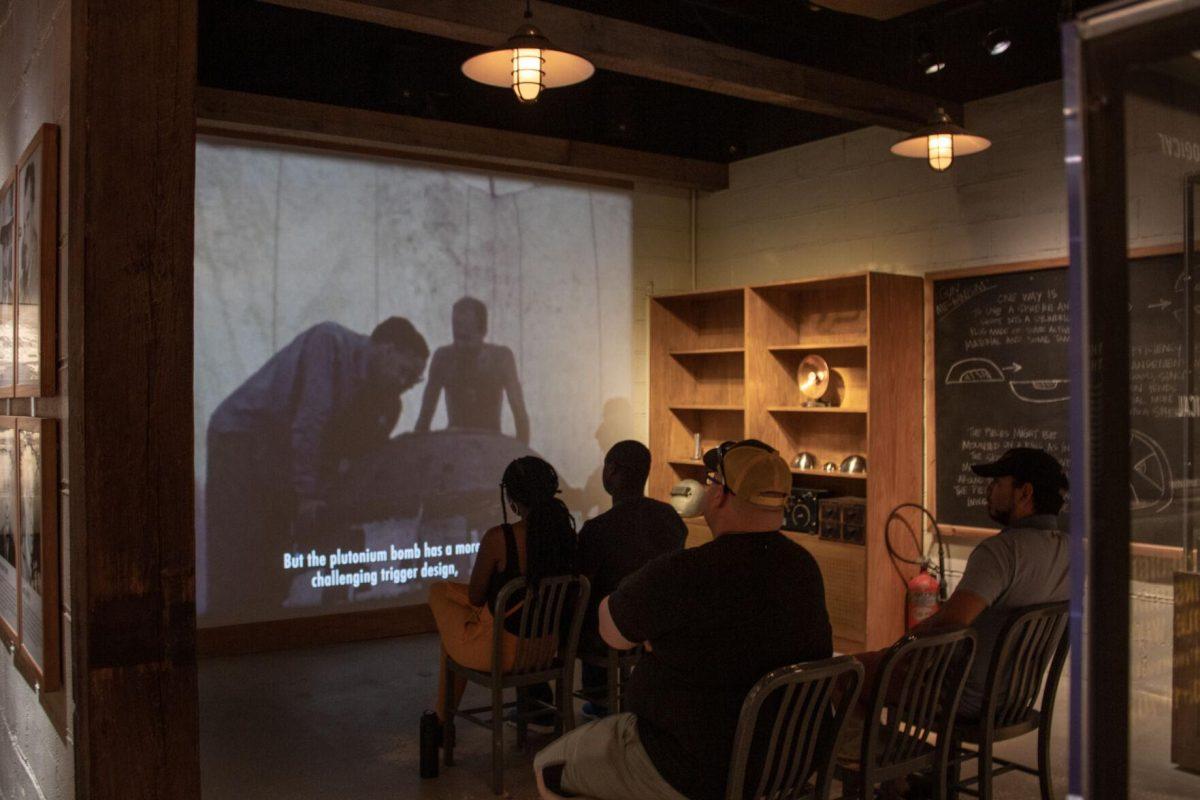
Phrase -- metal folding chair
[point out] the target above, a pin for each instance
(619, 664)
(803, 707)
(545, 652)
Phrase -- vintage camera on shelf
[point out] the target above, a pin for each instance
(800, 513)
(843, 519)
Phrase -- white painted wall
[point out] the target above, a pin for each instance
(36, 739)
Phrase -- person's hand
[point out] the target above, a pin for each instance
(647, 646)
(309, 515)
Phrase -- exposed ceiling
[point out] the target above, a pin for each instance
(263, 48)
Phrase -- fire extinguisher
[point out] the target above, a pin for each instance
(921, 601)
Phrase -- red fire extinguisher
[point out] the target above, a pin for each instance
(921, 602)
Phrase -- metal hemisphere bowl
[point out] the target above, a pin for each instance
(830, 467)
(687, 498)
(854, 463)
(804, 460)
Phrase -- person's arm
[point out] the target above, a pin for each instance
(433, 390)
(608, 630)
(516, 398)
(959, 611)
(650, 603)
(990, 571)
(485, 565)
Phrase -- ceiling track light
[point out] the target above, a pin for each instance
(940, 143)
(997, 41)
(528, 63)
(930, 63)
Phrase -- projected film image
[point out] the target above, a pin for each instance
(375, 342)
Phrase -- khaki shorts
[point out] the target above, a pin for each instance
(605, 760)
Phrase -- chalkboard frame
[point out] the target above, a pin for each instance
(931, 278)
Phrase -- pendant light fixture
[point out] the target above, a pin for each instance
(941, 143)
(528, 63)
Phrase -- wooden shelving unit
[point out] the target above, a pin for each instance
(723, 364)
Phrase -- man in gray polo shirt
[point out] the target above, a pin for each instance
(1025, 564)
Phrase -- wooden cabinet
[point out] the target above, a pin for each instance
(724, 364)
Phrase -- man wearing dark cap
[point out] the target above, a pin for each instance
(620, 541)
(714, 619)
(1025, 564)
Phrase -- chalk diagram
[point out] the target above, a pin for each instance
(1150, 486)
(984, 370)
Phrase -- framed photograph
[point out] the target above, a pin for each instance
(40, 656)
(37, 265)
(10, 581)
(8, 265)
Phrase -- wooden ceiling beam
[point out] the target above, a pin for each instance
(632, 49)
(304, 124)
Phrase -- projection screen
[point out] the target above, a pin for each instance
(322, 487)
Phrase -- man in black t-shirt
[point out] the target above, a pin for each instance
(714, 619)
(621, 540)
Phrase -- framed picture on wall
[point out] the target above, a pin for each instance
(10, 580)
(37, 265)
(40, 656)
(8, 266)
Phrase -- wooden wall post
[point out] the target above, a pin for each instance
(129, 338)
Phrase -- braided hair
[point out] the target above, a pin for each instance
(549, 526)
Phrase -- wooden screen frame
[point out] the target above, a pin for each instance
(11, 183)
(46, 676)
(9, 635)
(970, 531)
(46, 385)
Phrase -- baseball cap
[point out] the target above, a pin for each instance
(1028, 465)
(752, 471)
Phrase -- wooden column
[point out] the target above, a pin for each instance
(129, 339)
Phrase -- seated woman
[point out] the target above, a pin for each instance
(540, 544)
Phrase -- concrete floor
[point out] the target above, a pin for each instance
(341, 722)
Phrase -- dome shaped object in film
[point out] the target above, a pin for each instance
(687, 498)
(813, 377)
(804, 460)
(830, 467)
(854, 463)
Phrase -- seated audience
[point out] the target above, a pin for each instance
(621, 540)
(540, 544)
(1025, 564)
(714, 619)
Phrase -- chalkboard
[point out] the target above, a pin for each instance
(1000, 380)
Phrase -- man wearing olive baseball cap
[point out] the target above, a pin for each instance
(1024, 564)
(713, 619)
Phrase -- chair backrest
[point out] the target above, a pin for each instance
(542, 636)
(804, 706)
(1032, 638)
(920, 682)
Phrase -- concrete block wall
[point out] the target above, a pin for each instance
(36, 741)
(846, 203)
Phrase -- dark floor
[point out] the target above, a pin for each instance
(341, 722)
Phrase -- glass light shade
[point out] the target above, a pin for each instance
(940, 143)
(527, 64)
(941, 151)
(527, 74)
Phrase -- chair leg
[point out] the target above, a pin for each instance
(1045, 779)
(497, 740)
(985, 771)
(448, 724)
(562, 701)
(523, 707)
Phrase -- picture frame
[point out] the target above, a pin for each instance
(10, 557)
(8, 267)
(39, 657)
(36, 272)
